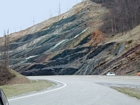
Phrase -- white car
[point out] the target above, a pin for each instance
(110, 74)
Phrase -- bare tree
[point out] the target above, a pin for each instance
(6, 49)
(5, 74)
(124, 15)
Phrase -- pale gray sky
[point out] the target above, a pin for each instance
(17, 15)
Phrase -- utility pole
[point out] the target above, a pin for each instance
(33, 22)
(50, 14)
(59, 12)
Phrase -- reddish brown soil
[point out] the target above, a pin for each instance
(95, 38)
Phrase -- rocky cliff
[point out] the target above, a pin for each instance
(73, 43)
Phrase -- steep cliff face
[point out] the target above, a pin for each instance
(73, 44)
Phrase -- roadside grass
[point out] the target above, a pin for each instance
(26, 88)
(133, 92)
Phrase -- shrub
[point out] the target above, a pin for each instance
(5, 75)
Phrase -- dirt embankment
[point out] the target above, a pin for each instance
(11, 77)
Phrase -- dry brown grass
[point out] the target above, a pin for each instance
(26, 88)
(21, 85)
(18, 78)
(133, 92)
(5, 75)
(131, 38)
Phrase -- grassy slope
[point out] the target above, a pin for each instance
(21, 85)
(133, 92)
(133, 36)
(131, 39)
(26, 88)
(5, 75)
(18, 79)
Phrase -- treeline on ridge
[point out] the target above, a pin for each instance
(124, 15)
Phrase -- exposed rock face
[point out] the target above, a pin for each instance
(72, 44)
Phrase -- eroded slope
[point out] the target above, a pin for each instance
(73, 44)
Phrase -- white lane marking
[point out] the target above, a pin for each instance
(43, 92)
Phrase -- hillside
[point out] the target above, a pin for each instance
(73, 43)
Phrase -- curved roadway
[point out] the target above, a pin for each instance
(81, 90)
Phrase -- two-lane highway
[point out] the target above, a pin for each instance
(80, 90)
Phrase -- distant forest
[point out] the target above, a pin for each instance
(124, 15)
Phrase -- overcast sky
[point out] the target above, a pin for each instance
(17, 15)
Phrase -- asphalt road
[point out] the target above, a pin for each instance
(81, 90)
